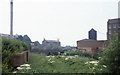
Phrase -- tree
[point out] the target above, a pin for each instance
(111, 55)
(36, 43)
(26, 39)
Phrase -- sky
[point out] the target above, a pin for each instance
(66, 20)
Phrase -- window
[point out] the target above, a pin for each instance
(114, 31)
(119, 31)
(119, 26)
(109, 26)
(109, 31)
(114, 26)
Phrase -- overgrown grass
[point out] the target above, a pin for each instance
(57, 64)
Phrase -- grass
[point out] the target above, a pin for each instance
(42, 64)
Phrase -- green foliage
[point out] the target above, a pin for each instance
(14, 45)
(24, 38)
(77, 52)
(111, 55)
(9, 48)
(57, 64)
(36, 43)
(97, 55)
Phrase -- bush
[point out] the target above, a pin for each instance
(96, 56)
(58, 64)
(9, 48)
(77, 52)
(111, 55)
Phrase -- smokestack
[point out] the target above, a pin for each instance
(11, 20)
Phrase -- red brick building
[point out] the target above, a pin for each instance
(91, 46)
(113, 26)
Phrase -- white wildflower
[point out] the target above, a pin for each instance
(53, 56)
(99, 57)
(65, 53)
(100, 69)
(59, 53)
(52, 61)
(94, 62)
(86, 62)
(62, 56)
(104, 66)
(47, 56)
(15, 72)
(49, 59)
(19, 68)
(93, 68)
(27, 65)
(28, 68)
(66, 58)
(70, 57)
(76, 56)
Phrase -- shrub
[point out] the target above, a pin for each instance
(80, 53)
(111, 55)
(9, 48)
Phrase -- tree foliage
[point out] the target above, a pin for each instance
(111, 55)
(9, 48)
(24, 38)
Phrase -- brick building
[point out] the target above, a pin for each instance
(113, 26)
(51, 44)
(91, 46)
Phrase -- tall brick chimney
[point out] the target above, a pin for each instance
(11, 19)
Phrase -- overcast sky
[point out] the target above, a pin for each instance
(66, 20)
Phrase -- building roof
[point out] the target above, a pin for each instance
(90, 40)
(86, 40)
(52, 40)
(116, 20)
(92, 30)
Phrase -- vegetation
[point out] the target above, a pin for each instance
(9, 48)
(0, 55)
(111, 55)
(24, 38)
(58, 64)
(77, 52)
(64, 64)
(70, 62)
(36, 43)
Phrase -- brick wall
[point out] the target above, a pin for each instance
(90, 46)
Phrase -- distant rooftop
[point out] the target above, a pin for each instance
(51, 40)
(114, 20)
(92, 29)
(86, 40)
(90, 40)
